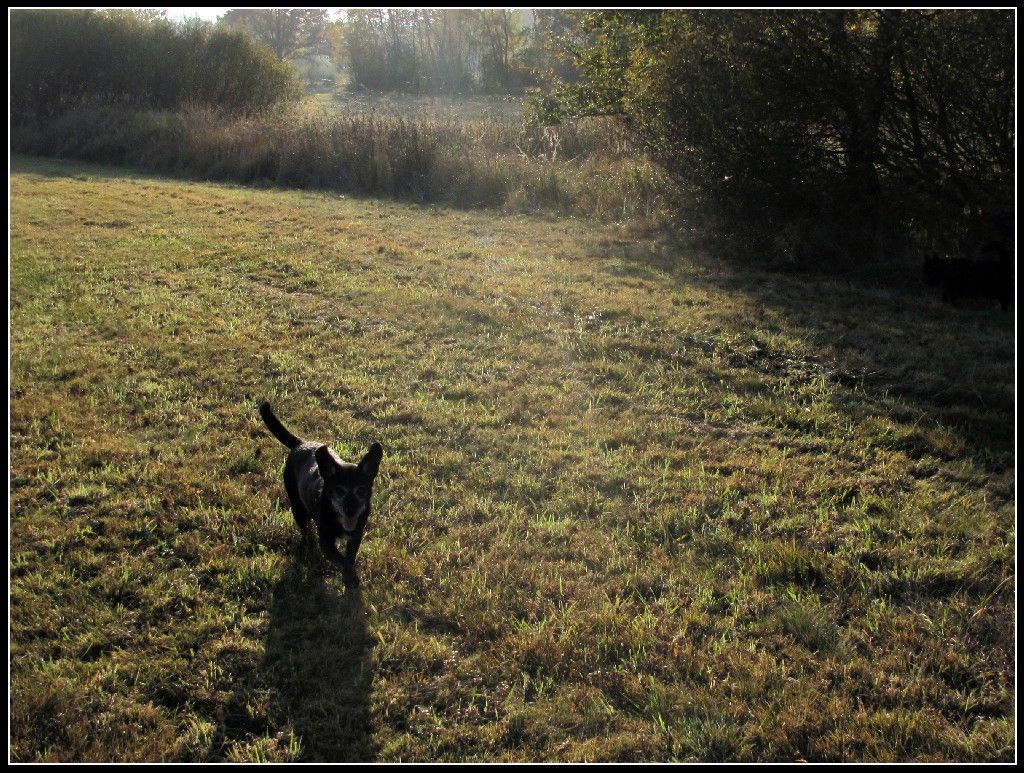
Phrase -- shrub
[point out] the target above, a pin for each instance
(62, 59)
(836, 136)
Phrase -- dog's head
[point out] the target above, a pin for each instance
(348, 487)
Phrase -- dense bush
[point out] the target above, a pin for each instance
(62, 59)
(817, 135)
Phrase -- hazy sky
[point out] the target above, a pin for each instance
(207, 14)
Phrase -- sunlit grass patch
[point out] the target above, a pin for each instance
(635, 504)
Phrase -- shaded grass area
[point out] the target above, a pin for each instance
(634, 505)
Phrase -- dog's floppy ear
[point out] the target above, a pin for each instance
(369, 464)
(327, 462)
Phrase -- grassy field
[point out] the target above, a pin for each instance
(635, 504)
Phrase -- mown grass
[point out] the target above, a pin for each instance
(635, 504)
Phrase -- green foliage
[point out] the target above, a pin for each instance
(61, 59)
(814, 135)
(289, 32)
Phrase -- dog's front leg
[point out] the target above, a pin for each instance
(351, 548)
(344, 562)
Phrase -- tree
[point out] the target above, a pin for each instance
(434, 50)
(290, 32)
(812, 134)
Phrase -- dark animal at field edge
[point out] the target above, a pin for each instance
(988, 272)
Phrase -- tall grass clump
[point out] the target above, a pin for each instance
(582, 168)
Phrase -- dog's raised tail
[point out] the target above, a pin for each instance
(276, 427)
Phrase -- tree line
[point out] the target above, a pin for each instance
(411, 50)
(433, 51)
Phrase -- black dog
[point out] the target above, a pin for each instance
(960, 278)
(334, 493)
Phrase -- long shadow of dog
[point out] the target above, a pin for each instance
(318, 662)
